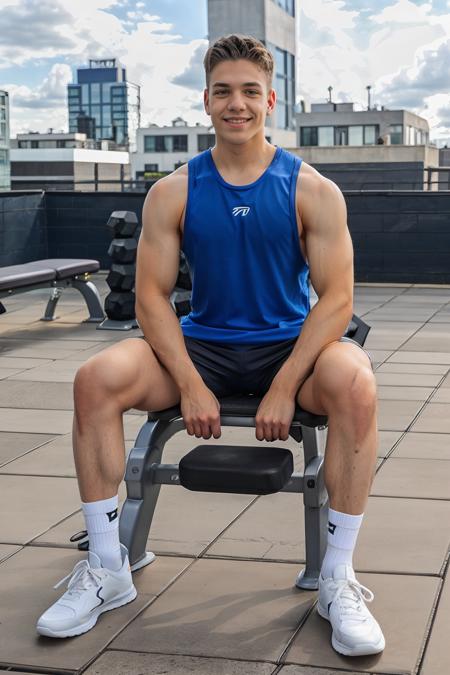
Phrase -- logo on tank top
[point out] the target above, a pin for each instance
(241, 210)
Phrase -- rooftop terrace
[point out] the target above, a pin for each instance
(220, 597)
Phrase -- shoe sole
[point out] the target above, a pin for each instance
(361, 650)
(129, 596)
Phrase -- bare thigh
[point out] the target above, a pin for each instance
(130, 373)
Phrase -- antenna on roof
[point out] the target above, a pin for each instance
(368, 96)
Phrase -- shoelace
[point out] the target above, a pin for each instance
(352, 594)
(82, 577)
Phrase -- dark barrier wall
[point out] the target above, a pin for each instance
(397, 236)
(23, 234)
(400, 236)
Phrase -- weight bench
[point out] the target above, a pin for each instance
(255, 470)
(56, 273)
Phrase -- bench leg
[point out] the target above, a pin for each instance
(316, 507)
(51, 305)
(92, 297)
(142, 493)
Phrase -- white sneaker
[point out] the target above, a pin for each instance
(92, 589)
(341, 602)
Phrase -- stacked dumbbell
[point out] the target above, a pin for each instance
(120, 302)
(181, 295)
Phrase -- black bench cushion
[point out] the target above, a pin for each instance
(39, 271)
(66, 267)
(255, 470)
(243, 406)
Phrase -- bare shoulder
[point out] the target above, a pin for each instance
(316, 192)
(168, 194)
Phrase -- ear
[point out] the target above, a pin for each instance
(206, 100)
(271, 101)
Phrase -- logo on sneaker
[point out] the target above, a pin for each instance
(241, 210)
(331, 527)
(329, 605)
(102, 600)
(112, 515)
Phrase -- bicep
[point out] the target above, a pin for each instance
(328, 242)
(157, 261)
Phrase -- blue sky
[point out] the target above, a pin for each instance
(400, 47)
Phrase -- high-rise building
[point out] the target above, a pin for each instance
(274, 23)
(5, 166)
(104, 103)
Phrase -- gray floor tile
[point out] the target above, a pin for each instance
(406, 379)
(49, 348)
(442, 358)
(232, 609)
(395, 596)
(119, 663)
(26, 589)
(386, 440)
(414, 478)
(36, 421)
(30, 505)
(437, 654)
(388, 538)
(21, 363)
(397, 415)
(7, 550)
(435, 417)
(52, 459)
(390, 393)
(423, 446)
(442, 395)
(58, 371)
(38, 395)
(413, 369)
(15, 444)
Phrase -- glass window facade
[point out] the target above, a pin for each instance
(396, 133)
(166, 143)
(205, 141)
(284, 85)
(357, 134)
(287, 5)
(114, 105)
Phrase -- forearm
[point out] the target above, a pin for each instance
(162, 331)
(326, 323)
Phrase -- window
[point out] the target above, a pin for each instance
(150, 167)
(396, 132)
(165, 143)
(308, 136)
(205, 141)
(95, 92)
(370, 134)
(34, 144)
(355, 135)
(287, 5)
(326, 136)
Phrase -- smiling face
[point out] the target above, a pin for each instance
(238, 100)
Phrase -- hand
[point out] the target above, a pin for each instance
(274, 416)
(201, 412)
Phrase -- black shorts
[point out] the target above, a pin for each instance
(229, 370)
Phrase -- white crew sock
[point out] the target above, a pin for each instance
(343, 531)
(102, 524)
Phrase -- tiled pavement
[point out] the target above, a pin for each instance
(220, 598)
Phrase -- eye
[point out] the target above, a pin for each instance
(252, 91)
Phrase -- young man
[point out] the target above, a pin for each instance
(254, 222)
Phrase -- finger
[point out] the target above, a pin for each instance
(268, 432)
(215, 427)
(206, 430)
(259, 430)
(197, 429)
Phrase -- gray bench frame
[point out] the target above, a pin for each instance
(145, 474)
(79, 281)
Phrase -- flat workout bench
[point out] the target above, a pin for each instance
(56, 273)
(261, 469)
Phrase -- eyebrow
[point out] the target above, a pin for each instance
(246, 84)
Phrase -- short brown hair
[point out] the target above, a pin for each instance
(234, 47)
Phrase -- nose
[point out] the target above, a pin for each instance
(236, 101)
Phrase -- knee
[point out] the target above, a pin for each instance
(90, 386)
(350, 388)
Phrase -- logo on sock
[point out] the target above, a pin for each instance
(112, 515)
(331, 527)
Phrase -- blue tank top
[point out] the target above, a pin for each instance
(250, 282)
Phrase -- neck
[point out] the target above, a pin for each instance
(253, 154)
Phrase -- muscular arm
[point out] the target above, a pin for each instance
(330, 256)
(156, 273)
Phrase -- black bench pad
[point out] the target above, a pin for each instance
(243, 406)
(39, 271)
(230, 468)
